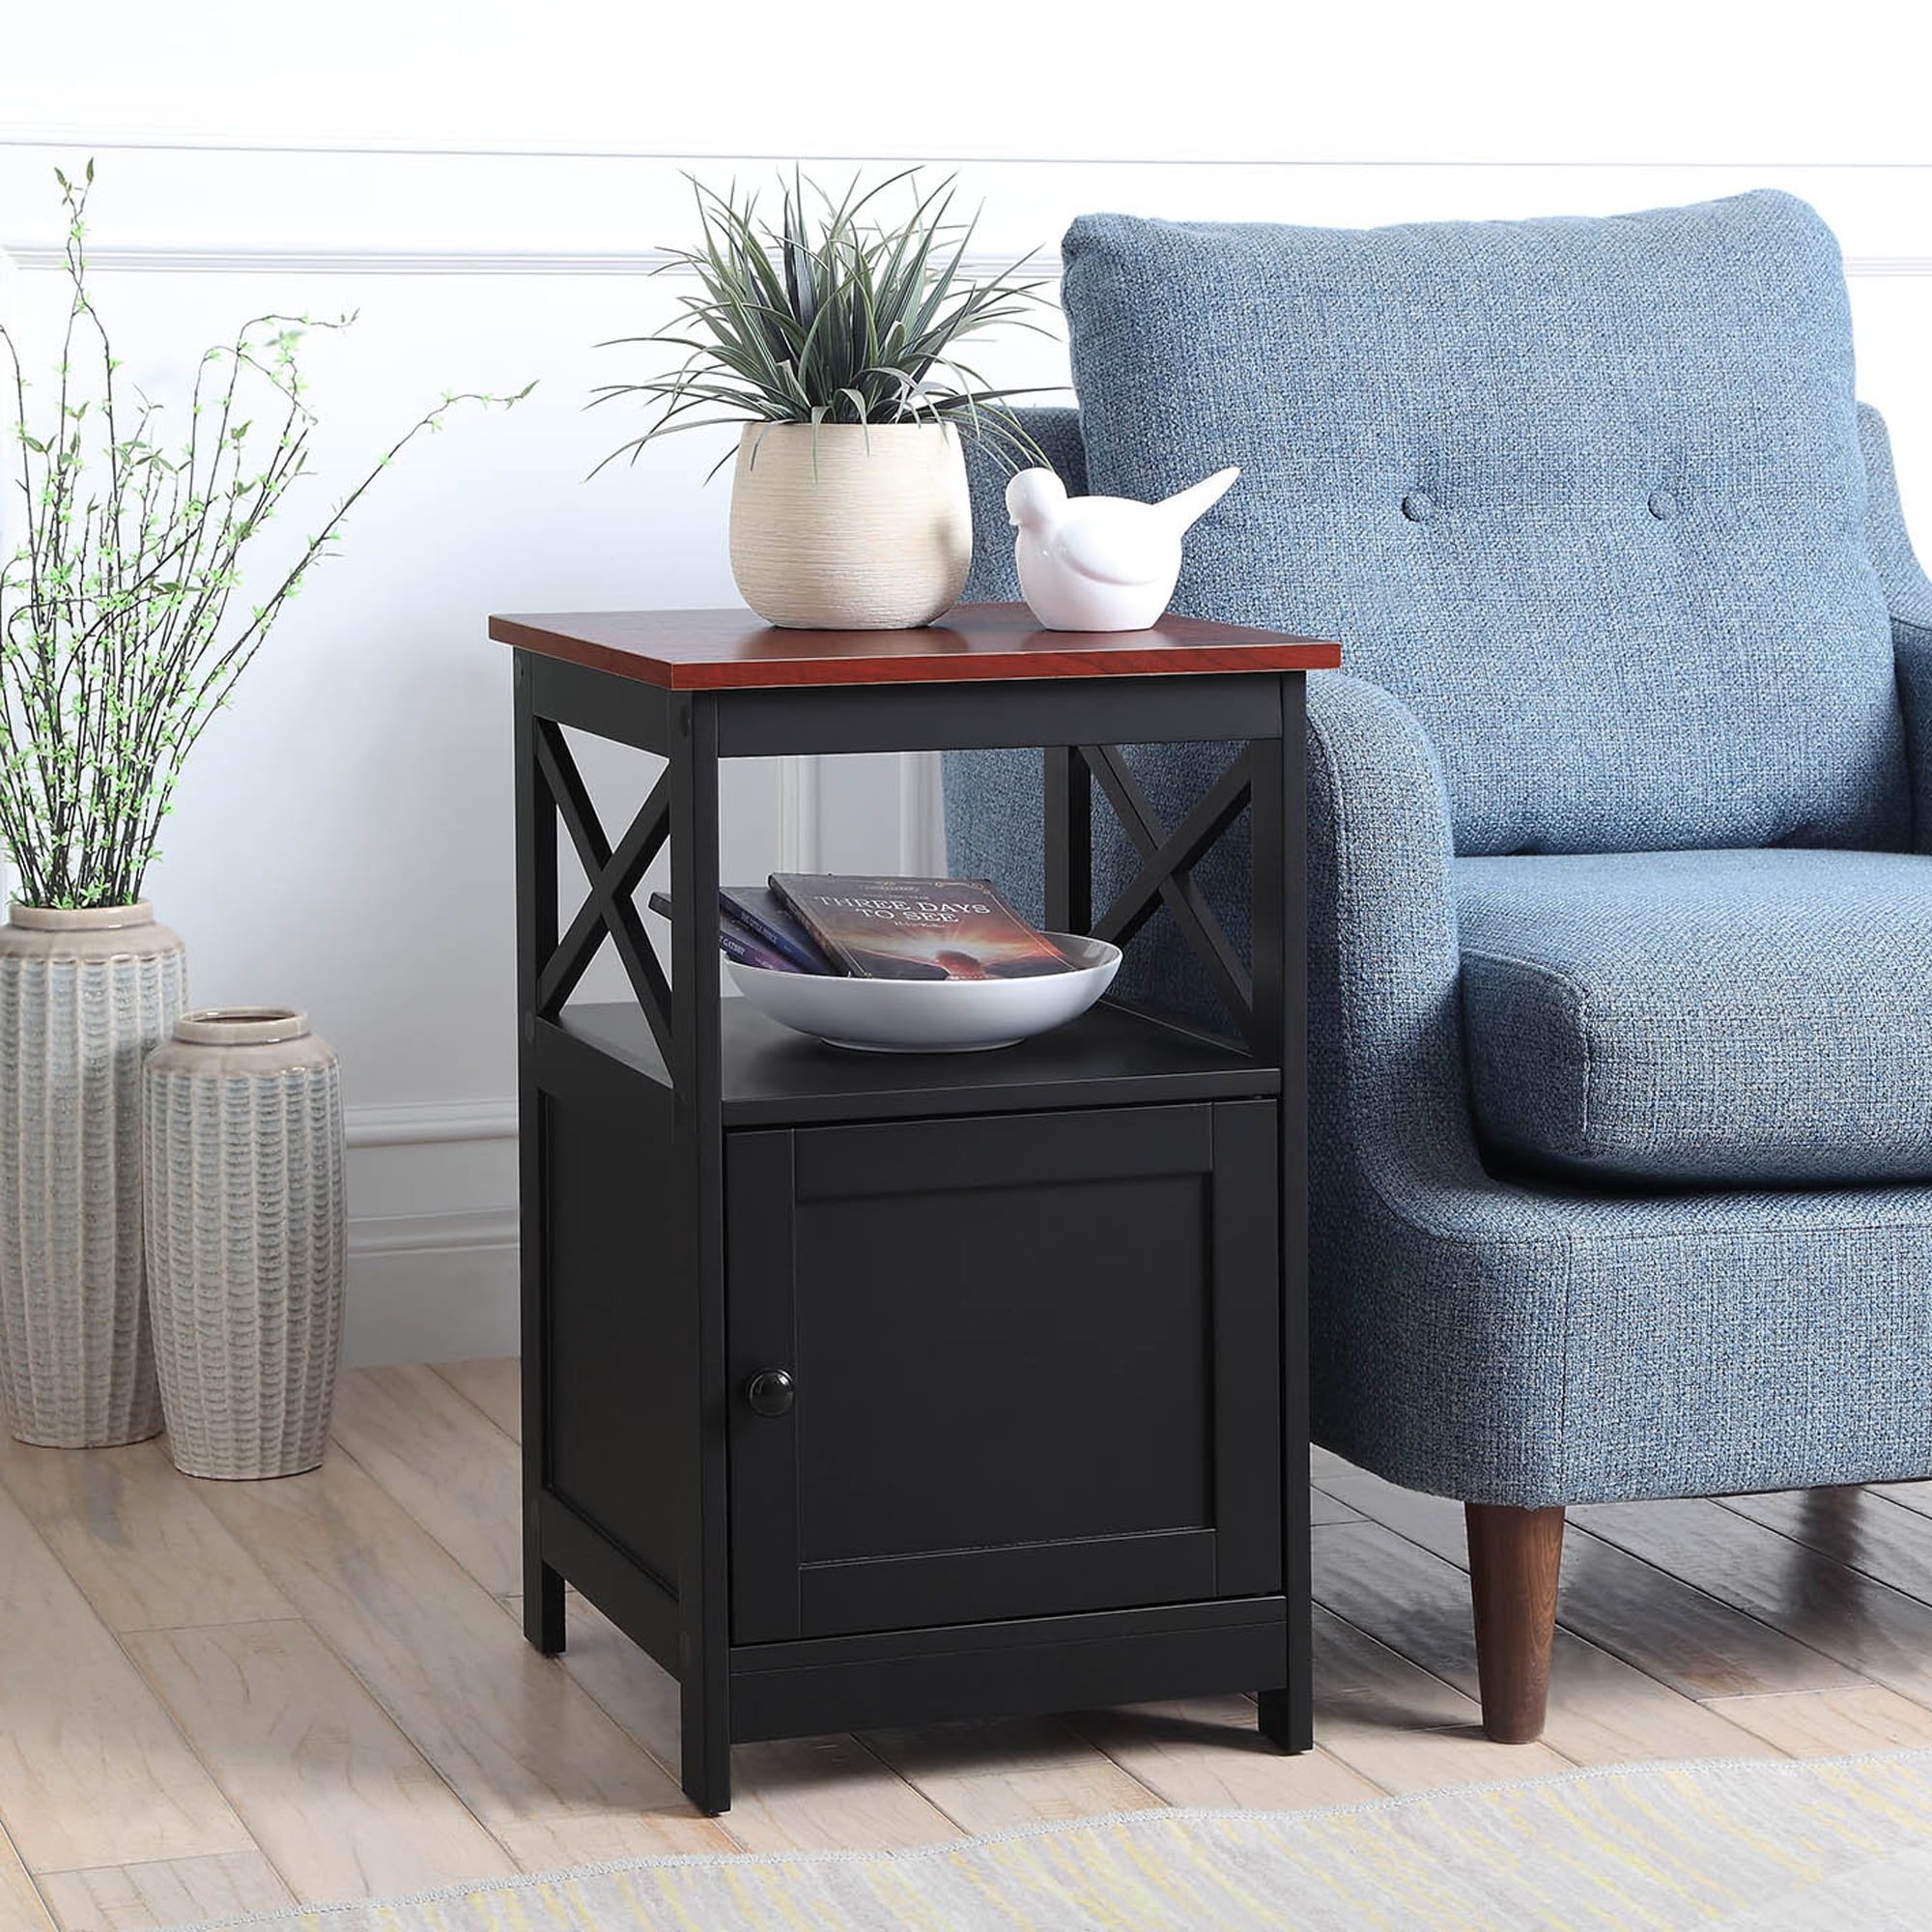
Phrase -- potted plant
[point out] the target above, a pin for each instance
(119, 640)
(833, 339)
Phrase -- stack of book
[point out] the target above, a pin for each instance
(879, 928)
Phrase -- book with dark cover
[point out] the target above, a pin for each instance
(760, 910)
(917, 928)
(738, 942)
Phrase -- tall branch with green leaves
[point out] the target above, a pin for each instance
(118, 637)
(835, 315)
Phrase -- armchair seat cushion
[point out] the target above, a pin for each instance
(1701, 1018)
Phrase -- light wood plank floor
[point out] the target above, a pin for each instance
(222, 1697)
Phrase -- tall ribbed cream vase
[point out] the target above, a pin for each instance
(83, 997)
(246, 1239)
(850, 527)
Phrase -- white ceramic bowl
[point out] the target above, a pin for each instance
(933, 1015)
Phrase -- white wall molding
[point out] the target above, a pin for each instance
(462, 1231)
(415, 1123)
(1888, 265)
(349, 208)
(190, 260)
(93, 139)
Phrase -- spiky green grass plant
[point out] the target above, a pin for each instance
(119, 638)
(836, 315)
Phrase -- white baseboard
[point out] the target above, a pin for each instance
(444, 1295)
(432, 1231)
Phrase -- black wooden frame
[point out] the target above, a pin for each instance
(678, 1608)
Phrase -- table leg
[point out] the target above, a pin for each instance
(704, 1631)
(536, 941)
(1279, 909)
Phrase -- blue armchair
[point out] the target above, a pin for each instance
(1620, 933)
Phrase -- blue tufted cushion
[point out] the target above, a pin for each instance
(1586, 493)
(1702, 1017)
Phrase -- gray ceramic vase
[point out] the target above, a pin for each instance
(246, 1239)
(83, 997)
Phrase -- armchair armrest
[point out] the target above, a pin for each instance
(1908, 598)
(1388, 1093)
(1438, 1295)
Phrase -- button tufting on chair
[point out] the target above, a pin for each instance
(1663, 505)
(1418, 506)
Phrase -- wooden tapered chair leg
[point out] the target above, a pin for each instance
(1514, 1558)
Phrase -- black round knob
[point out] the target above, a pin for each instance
(770, 1392)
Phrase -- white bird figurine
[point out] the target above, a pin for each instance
(1101, 563)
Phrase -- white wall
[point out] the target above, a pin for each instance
(486, 183)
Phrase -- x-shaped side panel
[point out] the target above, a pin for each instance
(1167, 860)
(613, 876)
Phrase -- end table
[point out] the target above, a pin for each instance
(874, 1389)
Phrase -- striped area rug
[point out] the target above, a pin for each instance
(1843, 1845)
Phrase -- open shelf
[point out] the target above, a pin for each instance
(771, 1076)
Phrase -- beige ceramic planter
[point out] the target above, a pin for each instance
(83, 996)
(874, 534)
(246, 1239)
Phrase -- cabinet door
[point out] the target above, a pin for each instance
(1034, 1367)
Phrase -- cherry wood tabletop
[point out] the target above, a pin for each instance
(723, 650)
